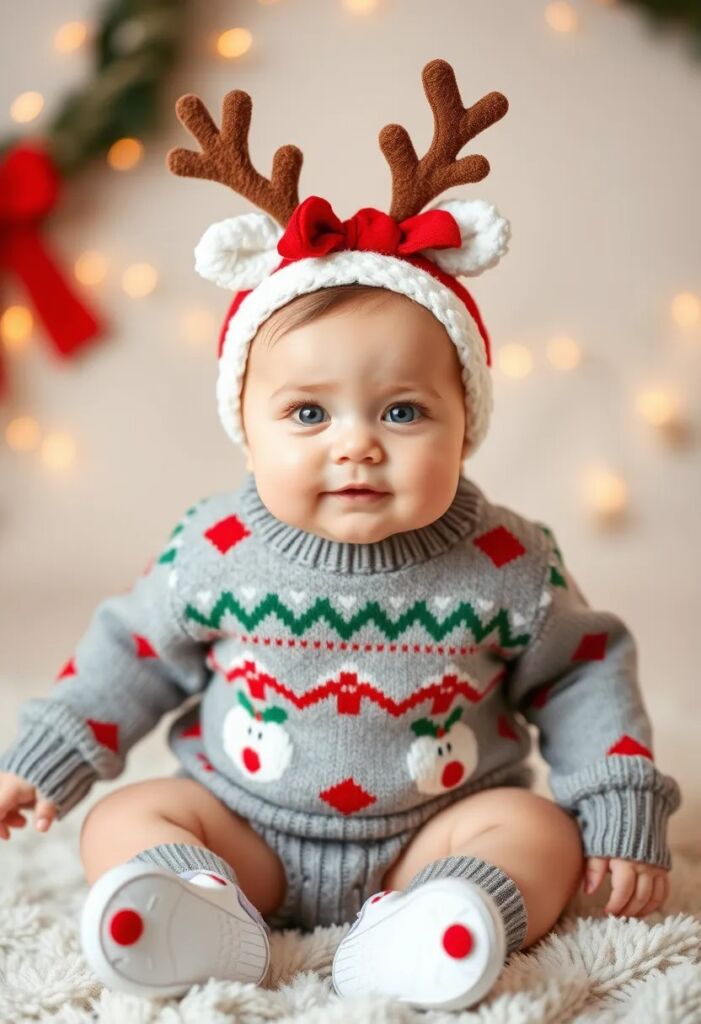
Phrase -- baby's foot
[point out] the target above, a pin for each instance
(438, 946)
(151, 932)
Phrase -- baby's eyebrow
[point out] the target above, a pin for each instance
(390, 389)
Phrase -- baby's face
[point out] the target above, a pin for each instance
(368, 394)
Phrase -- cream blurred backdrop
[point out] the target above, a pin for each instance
(596, 165)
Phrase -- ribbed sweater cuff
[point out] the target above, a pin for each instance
(623, 806)
(58, 771)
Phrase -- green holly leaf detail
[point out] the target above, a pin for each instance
(274, 715)
(243, 699)
(452, 719)
(424, 727)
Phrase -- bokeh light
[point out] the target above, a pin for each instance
(234, 43)
(139, 280)
(16, 325)
(686, 309)
(70, 36)
(91, 267)
(22, 434)
(561, 16)
(58, 452)
(125, 154)
(26, 107)
(515, 360)
(564, 353)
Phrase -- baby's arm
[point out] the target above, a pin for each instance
(135, 662)
(577, 682)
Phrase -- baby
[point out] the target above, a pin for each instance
(365, 636)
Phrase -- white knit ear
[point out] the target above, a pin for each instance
(240, 252)
(485, 238)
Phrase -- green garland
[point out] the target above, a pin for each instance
(135, 44)
(668, 14)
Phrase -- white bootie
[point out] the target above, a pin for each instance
(441, 946)
(151, 932)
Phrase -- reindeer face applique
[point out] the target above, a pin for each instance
(443, 756)
(256, 741)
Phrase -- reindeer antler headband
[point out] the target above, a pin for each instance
(294, 248)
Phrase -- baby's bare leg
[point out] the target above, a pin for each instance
(147, 814)
(531, 839)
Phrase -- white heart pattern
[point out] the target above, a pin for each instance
(484, 604)
(298, 596)
(203, 600)
(397, 600)
(442, 602)
(518, 619)
(248, 592)
(347, 600)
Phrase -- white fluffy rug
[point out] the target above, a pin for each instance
(590, 969)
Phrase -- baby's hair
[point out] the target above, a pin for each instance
(306, 308)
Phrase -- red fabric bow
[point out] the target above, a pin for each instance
(315, 230)
(29, 189)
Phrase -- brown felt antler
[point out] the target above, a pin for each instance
(415, 182)
(225, 157)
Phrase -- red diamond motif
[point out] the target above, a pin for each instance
(592, 647)
(540, 697)
(627, 745)
(68, 669)
(347, 797)
(193, 732)
(106, 733)
(143, 647)
(506, 729)
(227, 533)
(500, 545)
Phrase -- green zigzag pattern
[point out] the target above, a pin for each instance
(372, 612)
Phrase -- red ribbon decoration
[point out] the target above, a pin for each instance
(29, 190)
(315, 230)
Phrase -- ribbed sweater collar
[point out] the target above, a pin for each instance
(396, 552)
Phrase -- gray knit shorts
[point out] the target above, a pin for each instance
(328, 881)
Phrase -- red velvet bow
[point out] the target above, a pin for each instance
(315, 230)
(29, 189)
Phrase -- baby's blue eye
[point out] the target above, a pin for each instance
(404, 412)
(310, 414)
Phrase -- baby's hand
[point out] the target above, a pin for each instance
(16, 793)
(637, 889)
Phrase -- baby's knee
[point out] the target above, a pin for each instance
(125, 808)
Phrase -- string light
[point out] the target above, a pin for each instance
(564, 353)
(658, 406)
(58, 452)
(686, 309)
(16, 326)
(515, 360)
(360, 6)
(234, 43)
(22, 434)
(26, 107)
(561, 16)
(139, 280)
(124, 154)
(91, 267)
(70, 36)
(606, 494)
(199, 325)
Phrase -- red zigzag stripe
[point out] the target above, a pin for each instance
(349, 691)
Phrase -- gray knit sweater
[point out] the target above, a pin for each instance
(353, 690)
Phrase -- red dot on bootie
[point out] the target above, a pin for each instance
(458, 941)
(126, 927)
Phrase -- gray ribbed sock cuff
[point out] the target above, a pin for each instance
(180, 857)
(494, 881)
